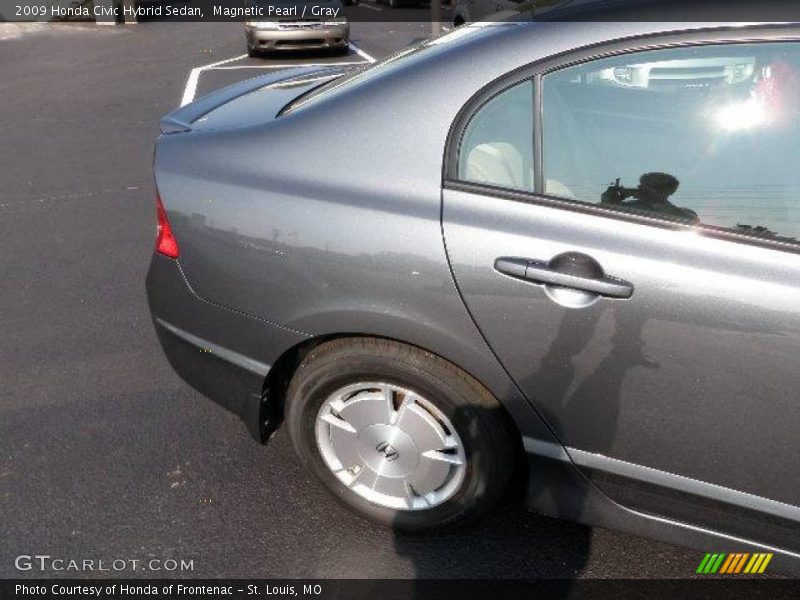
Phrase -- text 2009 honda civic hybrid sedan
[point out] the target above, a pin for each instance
(578, 243)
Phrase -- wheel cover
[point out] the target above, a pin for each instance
(390, 446)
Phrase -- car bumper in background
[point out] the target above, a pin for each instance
(327, 36)
(223, 354)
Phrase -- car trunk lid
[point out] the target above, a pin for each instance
(248, 102)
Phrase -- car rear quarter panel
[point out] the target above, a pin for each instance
(327, 220)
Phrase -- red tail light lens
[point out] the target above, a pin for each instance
(166, 243)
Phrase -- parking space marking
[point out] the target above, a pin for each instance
(194, 76)
(369, 6)
(191, 86)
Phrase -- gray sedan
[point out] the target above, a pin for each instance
(584, 253)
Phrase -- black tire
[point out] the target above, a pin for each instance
(481, 423)
(253, 53)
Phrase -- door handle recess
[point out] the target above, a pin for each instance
(557, 272)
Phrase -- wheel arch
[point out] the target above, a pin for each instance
(277, 380)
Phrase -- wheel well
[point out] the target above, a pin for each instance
(279, 376)
(273, 392)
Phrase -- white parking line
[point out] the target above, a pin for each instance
(194, 76)
(369, 6)
(361, 53)
(191, 86)
(225, 62)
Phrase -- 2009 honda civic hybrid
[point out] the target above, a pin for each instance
(585, 252)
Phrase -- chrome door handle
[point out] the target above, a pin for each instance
(570, 270)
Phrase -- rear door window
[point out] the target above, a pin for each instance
(497, 146)
(705, 135)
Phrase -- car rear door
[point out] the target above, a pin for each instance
(631, 257)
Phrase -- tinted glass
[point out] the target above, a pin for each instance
(497, 147)
(707, 135)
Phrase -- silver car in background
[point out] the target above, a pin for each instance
(300, 30)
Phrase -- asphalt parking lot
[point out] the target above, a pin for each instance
(104, 451)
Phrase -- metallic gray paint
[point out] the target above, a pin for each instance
(662, 478)
(218, 335)
(277, 225)
(187, 117)
(683, 377)
(239, 360)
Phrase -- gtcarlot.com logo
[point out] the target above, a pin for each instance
(734, 563)
(46, 562)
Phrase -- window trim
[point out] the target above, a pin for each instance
(536, 70)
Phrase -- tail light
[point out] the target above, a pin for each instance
(166, 243)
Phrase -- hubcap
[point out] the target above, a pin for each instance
(390, 446)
